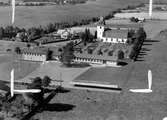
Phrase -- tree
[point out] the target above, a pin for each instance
(110, 53)
(9, 31)
(100, 52)
(28, 45)
(6, 107)
(133, 19)
(17, 106)
(90, 51)
(37, 97)
(131, 37)
(49, 54)
(50, 28)
(23, 37)
(141, 34)
(60, 50)
(87, 37)
(1, 32)
(120, 54)
(17, 50)
(95, 36)
(46, 81)
(67, 54)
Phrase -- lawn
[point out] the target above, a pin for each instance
(105, 48)
(11, 45)
(56, 71)
(22, 68)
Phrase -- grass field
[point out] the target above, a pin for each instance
(42, 15)
(22, 68)
(155, 15)
(56, 72)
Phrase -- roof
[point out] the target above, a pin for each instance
(115, 33)
(98, 57)
(35, 50)
(41, 50)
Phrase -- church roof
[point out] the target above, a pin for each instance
(115, 33)
(41, 50)
(98, 57)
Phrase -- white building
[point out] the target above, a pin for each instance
(65, 33)
(39, 53)
(96, 59)
(112, 34)
(34, 54)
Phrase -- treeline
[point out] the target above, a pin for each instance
(30, 34)
(136, 39)
(9, 31)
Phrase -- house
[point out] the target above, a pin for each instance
(65, 33)
(115, 33)
(21, 36)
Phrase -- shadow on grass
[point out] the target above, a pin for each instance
(142, 54)
(45, 104)
(76, 65)
(139, 60)
(149, 40)
(80, 65)
(59, 90)
(122, 63)
(58, 107)
(145, 49)
(147, 44)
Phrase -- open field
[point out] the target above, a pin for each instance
(42, 15)
(156, 15)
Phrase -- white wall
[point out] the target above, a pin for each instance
(114, 40)
(100, 30)
(33, 57)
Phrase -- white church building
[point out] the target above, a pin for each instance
(112, 34)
